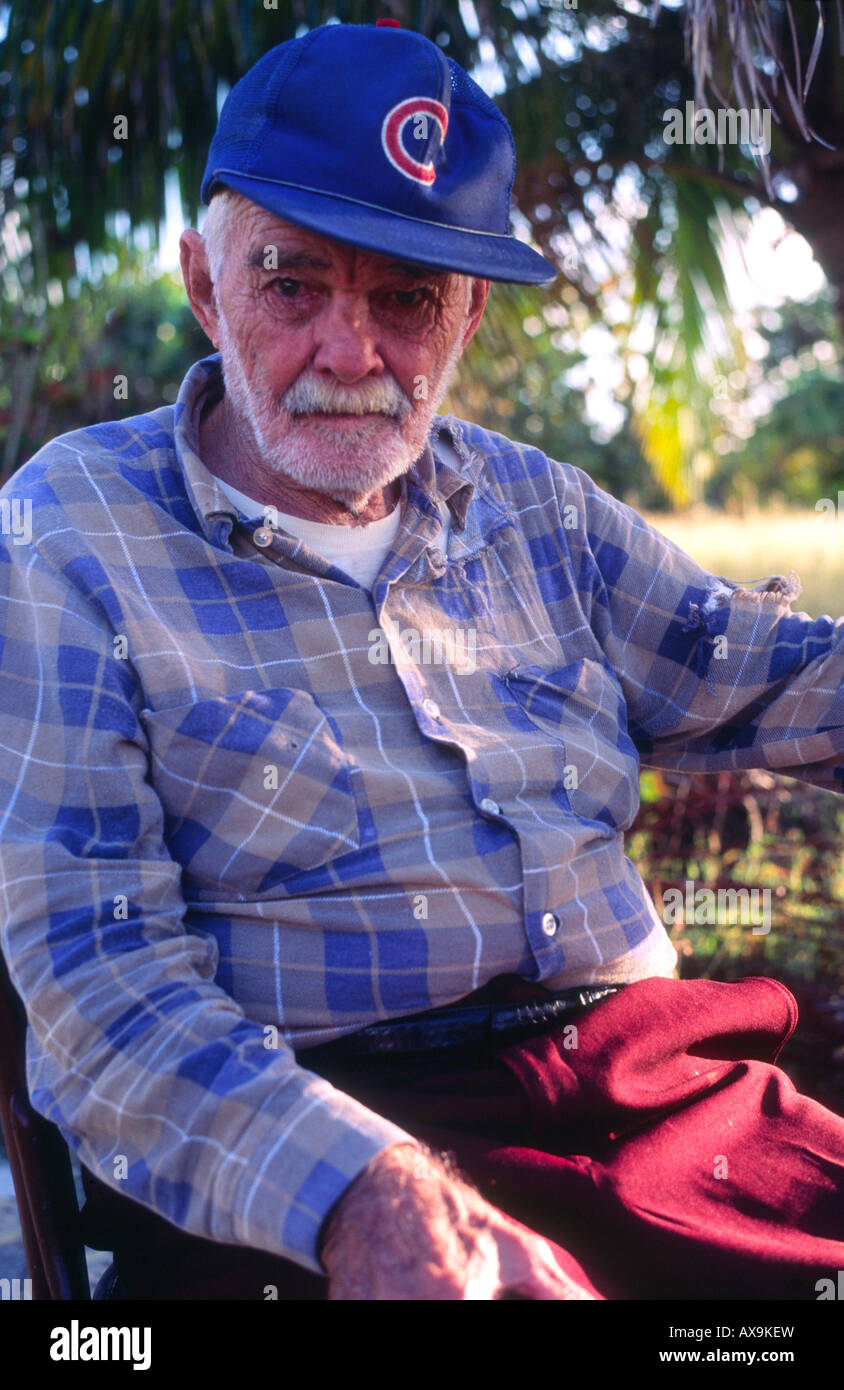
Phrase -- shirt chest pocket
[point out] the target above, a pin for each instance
(256, 788)
(593, 761)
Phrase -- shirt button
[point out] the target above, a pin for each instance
(431, 707)
(492, 808)
(262, 536)
(549, 924)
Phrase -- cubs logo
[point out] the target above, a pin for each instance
(418, 110)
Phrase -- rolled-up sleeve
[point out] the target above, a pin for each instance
(716, 674)
(158, 1081)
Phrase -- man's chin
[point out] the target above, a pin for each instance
(346, 435)
(348, 469)
(340, 480)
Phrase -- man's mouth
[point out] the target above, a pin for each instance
(344, 415)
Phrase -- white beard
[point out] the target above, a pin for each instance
(347, 463)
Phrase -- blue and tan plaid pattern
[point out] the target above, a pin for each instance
(245, 808)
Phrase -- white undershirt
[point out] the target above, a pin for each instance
(359, 551)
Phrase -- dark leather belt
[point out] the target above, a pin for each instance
(462, 1026)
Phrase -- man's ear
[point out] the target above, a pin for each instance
(198, 283)
(477, 303)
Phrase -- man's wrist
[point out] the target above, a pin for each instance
(376, 1163)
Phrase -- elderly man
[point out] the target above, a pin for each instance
(323, 716)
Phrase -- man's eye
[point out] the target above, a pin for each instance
(287, 287)
(406, 298)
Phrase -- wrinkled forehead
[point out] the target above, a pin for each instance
(261, 241)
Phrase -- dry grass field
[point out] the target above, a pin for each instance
(757, 545)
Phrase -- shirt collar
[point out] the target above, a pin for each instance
(202, 387)
(443, 480)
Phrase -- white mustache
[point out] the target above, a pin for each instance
(307, 395)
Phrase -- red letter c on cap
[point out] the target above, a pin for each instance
(391, 133)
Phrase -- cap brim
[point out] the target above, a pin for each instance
(388, 233)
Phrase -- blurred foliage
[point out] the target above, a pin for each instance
(756, 830)
(125, 321)
(794, 454)
(752, 829)
(629, 219)
(525, 395)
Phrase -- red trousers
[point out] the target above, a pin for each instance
(658, 1146)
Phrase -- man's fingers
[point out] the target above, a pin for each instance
(541, 1289)
(529, 1269)
(563, 1290)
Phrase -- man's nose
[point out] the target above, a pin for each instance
(347, 339)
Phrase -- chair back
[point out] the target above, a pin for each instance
(41, 1168)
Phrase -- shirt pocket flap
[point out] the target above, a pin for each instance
(256, 787)
(581, 709)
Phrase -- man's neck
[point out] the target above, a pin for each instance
(235, 460)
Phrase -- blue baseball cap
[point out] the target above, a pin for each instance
(368, 134)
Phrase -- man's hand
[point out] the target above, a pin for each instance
(407, 1228)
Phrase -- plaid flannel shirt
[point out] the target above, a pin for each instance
(246, 809)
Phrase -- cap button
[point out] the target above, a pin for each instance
(387, 23)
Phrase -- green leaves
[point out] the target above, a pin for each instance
(681, 291)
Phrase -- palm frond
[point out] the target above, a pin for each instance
(748, 39)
